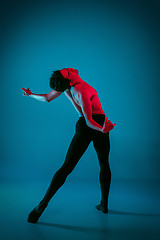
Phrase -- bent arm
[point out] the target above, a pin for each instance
(46, 97)
(92, 124)
(87, 112)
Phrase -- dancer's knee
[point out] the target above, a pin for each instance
(60, 176)
(64, 171)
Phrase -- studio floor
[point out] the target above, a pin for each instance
(134, 210)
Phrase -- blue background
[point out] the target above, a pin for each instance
(115, 47)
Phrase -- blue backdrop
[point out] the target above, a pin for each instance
(115, 47)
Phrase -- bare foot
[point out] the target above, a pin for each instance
(101, 208)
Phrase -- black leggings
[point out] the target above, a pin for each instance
(81, 140)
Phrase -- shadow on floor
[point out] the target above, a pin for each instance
(133, 214)
(74, 228)
(94, 229)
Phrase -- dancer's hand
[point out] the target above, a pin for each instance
(108, 126)
(27, 92)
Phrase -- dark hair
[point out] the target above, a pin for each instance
(58, 82)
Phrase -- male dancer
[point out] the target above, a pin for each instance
(92, 125)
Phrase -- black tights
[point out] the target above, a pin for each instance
(81, 140)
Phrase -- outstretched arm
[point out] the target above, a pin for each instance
(42, 97)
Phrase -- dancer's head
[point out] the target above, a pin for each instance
(63, 79)
(58, 82)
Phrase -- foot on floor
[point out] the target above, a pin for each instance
(101, 208)
(36, 213)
